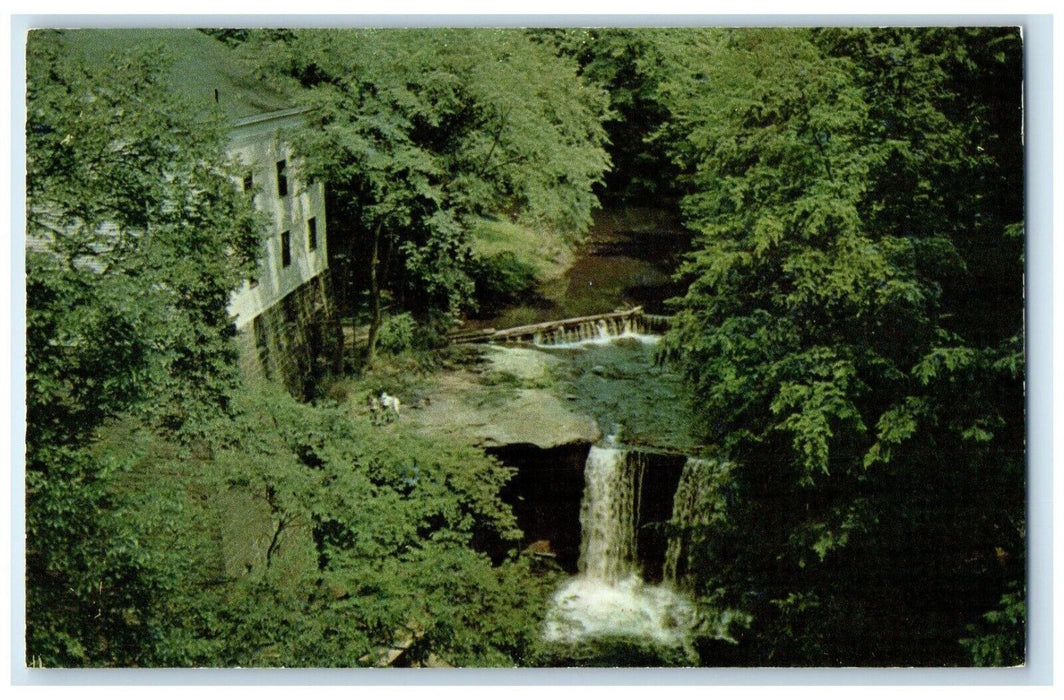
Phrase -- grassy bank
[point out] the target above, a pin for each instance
(548, 252)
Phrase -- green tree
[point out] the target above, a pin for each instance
(175, 518)
(136, 237)
(354, 538)
(627, 65)
(421, 132)
(853, 328)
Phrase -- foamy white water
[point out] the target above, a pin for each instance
(586, 608)
(598, 341)
(601, 332)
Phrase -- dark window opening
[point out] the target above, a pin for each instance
(282, 178)
(249, 182)
(286, 249)
(312, 233)
(253, 282)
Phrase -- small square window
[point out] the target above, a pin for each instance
(282, 178)
(286, 249)
(312, 233)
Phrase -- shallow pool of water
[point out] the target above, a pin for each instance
(622, 385)
(628, 260)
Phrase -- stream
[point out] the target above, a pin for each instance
(622, 605)
(628, 259)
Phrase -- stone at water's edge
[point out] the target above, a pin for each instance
(534, 417)
(524, 363)
(509, 403)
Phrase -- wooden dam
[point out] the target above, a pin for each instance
(614, 324)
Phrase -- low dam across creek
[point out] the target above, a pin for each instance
(602, 328)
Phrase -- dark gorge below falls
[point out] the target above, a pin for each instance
(548, 487)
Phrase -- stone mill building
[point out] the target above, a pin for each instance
(286, 325)
(284, 315)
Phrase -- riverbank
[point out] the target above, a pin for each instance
(549, 253)
(627, 258)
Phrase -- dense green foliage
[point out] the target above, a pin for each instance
(300, 538)
(421, 132)
(137, 237)
(173, 517)
(854, 330)
(626, 63)
(500, 279)
(318, 540)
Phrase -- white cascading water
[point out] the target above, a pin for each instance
(600, 332)
(690, 508)
(608, 598)
(608, 513)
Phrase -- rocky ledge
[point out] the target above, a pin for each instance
(506, 400)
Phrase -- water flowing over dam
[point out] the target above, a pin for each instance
(572, 332)
(603, 330)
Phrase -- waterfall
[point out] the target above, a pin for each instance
(691, 507)
(609, 514)
(608, 598)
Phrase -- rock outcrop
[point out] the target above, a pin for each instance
(506, 401)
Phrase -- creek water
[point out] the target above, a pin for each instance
(612, 373)
(621, 382)
(609, 608)
(628, 259)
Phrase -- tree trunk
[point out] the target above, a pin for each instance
(374, 298)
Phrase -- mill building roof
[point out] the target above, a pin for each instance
(204, 71)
